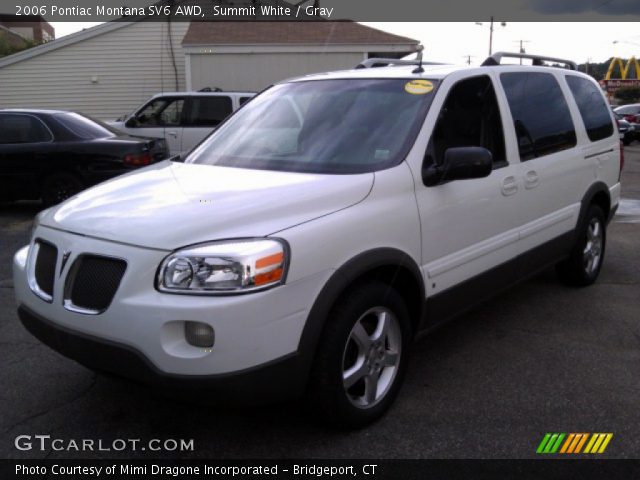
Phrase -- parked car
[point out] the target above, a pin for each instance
(628, 131)
(183, 119)
(285, 259)
(52, 155)
(631, 112)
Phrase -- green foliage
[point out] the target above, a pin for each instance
(599, 70)
(9, 48)
(628, 95)
(596, 70)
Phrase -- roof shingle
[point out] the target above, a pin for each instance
(289, 33)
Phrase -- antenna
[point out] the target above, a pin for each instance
(419, 68)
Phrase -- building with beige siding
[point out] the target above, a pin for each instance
(108, 70)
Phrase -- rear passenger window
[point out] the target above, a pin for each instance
(593, 108)
(470, 117)
(208, 111)
(22, 129)
(540, 114)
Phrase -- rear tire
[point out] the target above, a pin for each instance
(361, 357)
(58, 187)
(584, 264)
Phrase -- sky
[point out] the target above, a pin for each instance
(453, 42)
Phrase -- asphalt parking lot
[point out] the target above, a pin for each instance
(541, 358)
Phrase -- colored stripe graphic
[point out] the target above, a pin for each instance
(550, 443)
(581, 443)
(543, 443)
(598, 442)
(573, 443)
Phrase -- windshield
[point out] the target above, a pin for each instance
(322, 126)
(85, 127)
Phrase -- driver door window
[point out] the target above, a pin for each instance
(470, 117)
(161, 112)
(160, 118)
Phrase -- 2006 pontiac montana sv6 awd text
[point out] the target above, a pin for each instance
(300, 247)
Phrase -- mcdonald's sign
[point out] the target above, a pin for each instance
(613, 84)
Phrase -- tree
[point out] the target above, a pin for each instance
(9, 48)
(628, 94)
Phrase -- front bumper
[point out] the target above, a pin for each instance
(278, 380)
(140, 335)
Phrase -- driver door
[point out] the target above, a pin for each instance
(469, 227)
(161, 117)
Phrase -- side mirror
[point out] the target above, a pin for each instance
(460, 163)
(131, 122)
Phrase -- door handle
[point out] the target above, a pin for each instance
(173, 134)
(531, 179)
(509, 186)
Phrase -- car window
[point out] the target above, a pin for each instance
(160, 112)
(470, 117)
(84, 127)
(244, 100)
(23, 129)
(593, 108)
(322, 126)
(208, 111)
(284, 113)
(540, 114)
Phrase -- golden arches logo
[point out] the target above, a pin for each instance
(624, 69)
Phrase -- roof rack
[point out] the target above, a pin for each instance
(384, 62)
(538, 60)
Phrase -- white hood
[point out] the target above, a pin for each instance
(169, 205)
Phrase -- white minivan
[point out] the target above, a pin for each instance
(300, 248)
(184, 119)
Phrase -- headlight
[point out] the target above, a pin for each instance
(234, 266)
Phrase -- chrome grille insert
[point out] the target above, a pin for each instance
(42, 269)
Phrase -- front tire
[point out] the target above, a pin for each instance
(584, 264)
(361, 357)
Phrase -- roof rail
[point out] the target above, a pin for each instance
(538, 60)
(384, 62)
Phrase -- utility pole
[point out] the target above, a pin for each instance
(491, 37)
(502, 24)
(522, 50)
(468, 57)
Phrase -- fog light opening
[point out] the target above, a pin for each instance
(199, 334)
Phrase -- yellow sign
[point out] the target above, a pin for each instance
(624, 70)
(418, 87)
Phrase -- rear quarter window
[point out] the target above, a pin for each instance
(208, 111)
(540, 113)
(593, 108)
(19, 128)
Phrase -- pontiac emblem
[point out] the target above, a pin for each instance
(65, 257)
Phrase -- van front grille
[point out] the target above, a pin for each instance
(45, 267)
(94, 282)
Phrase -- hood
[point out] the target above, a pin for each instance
(169, 205)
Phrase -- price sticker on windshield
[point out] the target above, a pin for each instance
(418, 87)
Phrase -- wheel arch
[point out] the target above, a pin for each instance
(597, 194)
(389, 265)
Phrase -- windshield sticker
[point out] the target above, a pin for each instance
(418, 87)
